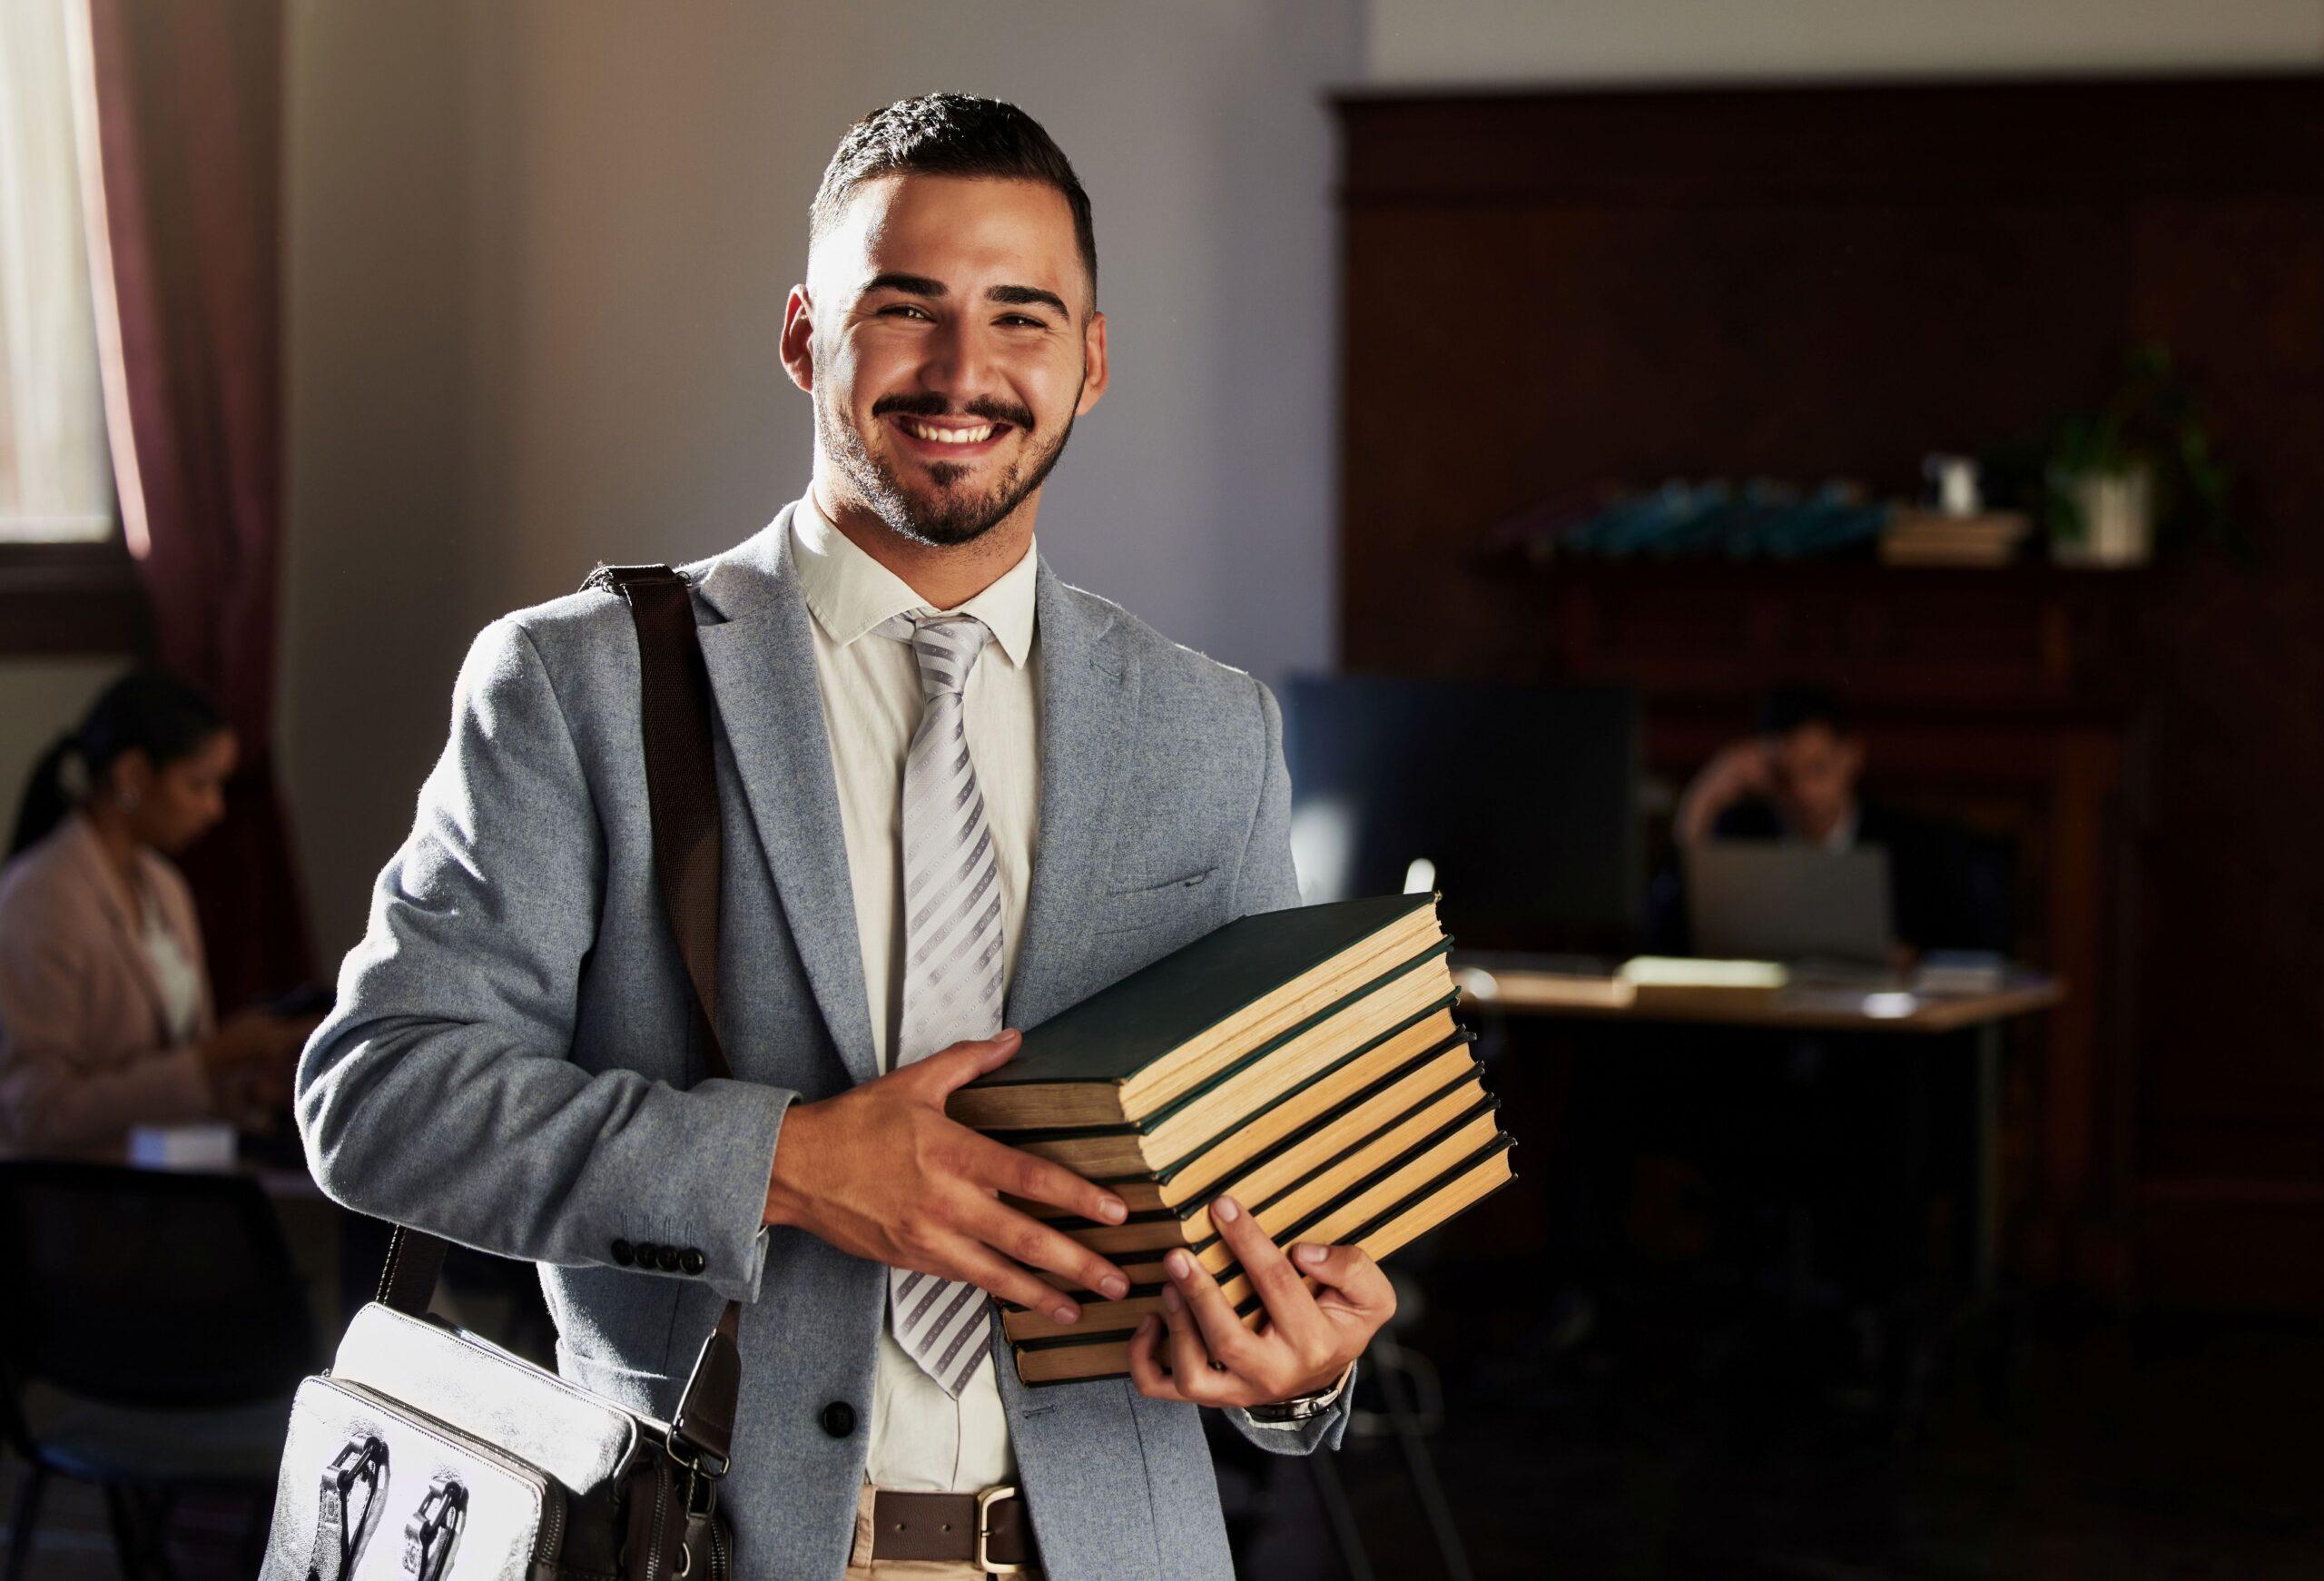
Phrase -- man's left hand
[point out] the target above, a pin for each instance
(1201, 1353)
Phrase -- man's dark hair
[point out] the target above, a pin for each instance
(955, 134)
(1789, 708)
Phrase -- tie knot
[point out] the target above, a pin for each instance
(946, 646)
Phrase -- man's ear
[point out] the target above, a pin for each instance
(1095, 371)
(798, 338)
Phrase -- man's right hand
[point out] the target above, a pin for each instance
(880, 1171)
(1745, 768)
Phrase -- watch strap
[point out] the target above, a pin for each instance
(1303, 1407)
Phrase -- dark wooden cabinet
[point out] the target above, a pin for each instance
(1547, 294)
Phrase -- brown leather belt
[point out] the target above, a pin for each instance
(989, 1529)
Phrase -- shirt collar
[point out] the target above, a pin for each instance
(849, 592)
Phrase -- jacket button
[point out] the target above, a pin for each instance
(623, 1253)
(666, 1259)
(643, 1252)
(692, 1260)
(839, 1418)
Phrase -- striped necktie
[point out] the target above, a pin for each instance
(954, 967)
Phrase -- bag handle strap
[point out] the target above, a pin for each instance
(682, 793)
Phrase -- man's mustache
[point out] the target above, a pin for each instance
(990, 408)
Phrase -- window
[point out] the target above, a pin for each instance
(55, 478)
(65, 580)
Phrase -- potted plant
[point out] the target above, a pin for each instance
(2139, 467)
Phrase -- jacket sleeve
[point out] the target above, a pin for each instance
(440, 1094)
(50, 1098)
(1270, 882)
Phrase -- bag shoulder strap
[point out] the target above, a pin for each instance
(682, 794)
(681, 776)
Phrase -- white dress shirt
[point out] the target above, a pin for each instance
(175, 972)
(921, 1440)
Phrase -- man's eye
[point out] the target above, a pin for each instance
(903, 308)
(1023, 321)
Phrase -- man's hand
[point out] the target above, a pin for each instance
(1202, 1353)
(251, 1057)
(1745, 768)
(881, 1173)
(272, 1080)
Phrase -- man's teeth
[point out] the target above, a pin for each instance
(929, 431)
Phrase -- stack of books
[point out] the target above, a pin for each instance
(1924, 537)
(1305, 1062)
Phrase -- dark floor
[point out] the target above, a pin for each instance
(2127, 1452)
(2116, 1452)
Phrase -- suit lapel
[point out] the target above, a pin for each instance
(1088, 701)
(762, 664)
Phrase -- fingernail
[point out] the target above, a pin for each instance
(1065, 1314)
(1114, 1285)
(1146, 1325)
(1225, 1210)
(1007, 1034)
(1172, 1301)
(1309, 1253)
(1112, 1212)
(1179, 1264)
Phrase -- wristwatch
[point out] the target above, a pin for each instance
(1299, 1408)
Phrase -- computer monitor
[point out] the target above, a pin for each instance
(1522, 801)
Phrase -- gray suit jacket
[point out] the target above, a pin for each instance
(508, 1062)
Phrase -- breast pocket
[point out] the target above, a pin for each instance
(1150, 905)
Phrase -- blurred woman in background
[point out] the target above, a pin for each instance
(105, 1019)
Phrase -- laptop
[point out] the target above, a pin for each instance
(1772, 900)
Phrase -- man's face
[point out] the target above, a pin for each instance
(1816, 769)
(947, 335)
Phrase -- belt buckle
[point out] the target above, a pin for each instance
(985, 1561)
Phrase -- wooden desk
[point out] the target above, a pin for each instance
(1806, 1007)
(1508, 986)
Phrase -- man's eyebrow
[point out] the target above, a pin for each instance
(1027, 296)
(909, 285)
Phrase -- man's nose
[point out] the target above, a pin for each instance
(957, 362)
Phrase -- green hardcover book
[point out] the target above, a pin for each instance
(1127, 1053)
(1118, 1160)
(1105, 1352)
(1460, 1136)
(1290, 1164)
(1322, 1180)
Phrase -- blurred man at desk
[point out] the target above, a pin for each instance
(1797, 778)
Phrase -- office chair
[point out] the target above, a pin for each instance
(157, 1334)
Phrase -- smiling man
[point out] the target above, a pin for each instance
(959, 796)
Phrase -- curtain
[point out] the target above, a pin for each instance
(185, 228)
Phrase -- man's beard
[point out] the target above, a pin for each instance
(955, 517)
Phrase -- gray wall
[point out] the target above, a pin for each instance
(538, 257)
(1538, 41)
(40, 699)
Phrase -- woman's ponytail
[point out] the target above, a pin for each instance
(49, 794)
